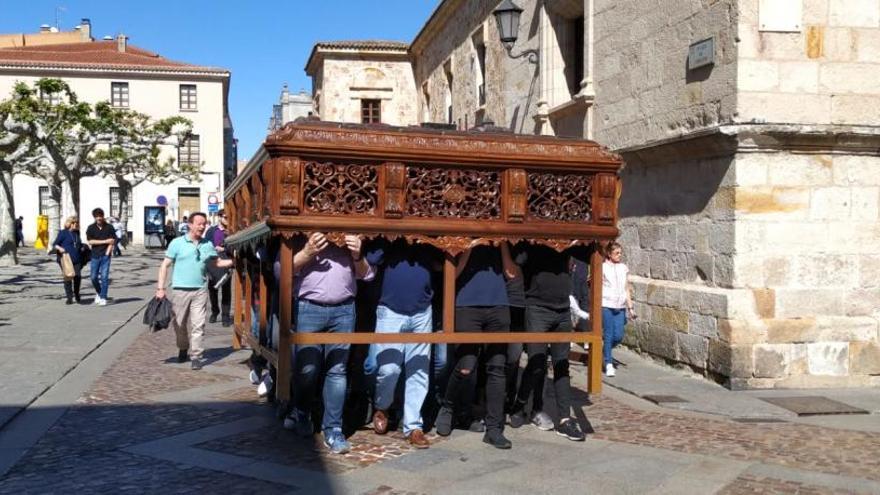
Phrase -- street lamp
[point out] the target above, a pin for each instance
(507, 16)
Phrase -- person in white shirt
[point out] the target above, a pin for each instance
(616, 303)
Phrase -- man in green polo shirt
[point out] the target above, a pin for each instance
(190, 254)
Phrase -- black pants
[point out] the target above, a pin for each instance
(514, 351)
(225, 298)
(542, 319)
(460, 390)
(71, 286)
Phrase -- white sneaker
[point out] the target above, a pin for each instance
(609, 369)
(101, 302)
(265, 385)
(97, 301)
(254, 377)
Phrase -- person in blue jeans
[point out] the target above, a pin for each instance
(404, 307)
(325, 288)
(101, 237)
(616, 302)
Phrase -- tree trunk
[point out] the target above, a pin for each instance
(54, 211)
(73, 184)
(125, 191)
(8, 241)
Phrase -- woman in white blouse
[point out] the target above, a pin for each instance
(616, 301)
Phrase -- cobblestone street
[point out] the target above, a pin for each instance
(148, 424)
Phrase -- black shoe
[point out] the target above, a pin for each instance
(517, 419)
(213, 318)
(570, 430)
(78, 299)
(183, 355)
(227, 321)
(477, 426)
(69, 301)
(496, 439)
(196, 364)
(443, 424)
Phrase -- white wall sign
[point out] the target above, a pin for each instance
(701, 53)
(783, 16)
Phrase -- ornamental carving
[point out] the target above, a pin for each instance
(560, 197)
(517, 194)
(453, 193)
(289, 172)
(341, 189)
(395, 186)
(606, 198)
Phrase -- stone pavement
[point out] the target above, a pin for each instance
(144, 423)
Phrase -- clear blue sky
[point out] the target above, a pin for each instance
(263, 43)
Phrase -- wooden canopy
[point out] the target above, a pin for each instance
(439, 187)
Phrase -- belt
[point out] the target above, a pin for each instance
(333, 305)
(187, 289)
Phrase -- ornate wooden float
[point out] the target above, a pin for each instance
(440, 187)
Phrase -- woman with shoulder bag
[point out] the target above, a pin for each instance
(69, 243)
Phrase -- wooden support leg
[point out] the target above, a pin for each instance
(594, 385)
(282, 384)
(449, 294)
(264, 306)
(237, 294)
(248, 298)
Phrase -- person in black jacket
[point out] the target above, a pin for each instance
(68, 241)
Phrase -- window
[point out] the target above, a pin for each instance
(447, 69)
(371, 111)
(45, 200)
(50, 98)
(574, 58)
(115, 207)
(426, 99)
(188, 97)
(188, 153)
(119, 94)
(478, 64)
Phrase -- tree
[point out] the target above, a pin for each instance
(12, 148)
(133, 154)
(61, 132)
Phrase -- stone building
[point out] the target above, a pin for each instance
(289, 108)
(128, 77)
(749, 212)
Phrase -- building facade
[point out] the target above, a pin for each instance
(290, 107)
(749, 212)
(136, 79)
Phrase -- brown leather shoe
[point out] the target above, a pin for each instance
(380, 422)
(417, 439)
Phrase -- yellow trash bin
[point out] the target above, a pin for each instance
(42, 241)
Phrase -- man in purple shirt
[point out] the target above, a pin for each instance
(325, 286)
(217, 235)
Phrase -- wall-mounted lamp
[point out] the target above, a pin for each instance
(507, 16)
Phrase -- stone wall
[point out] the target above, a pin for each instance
(644, 92)
(346, 80)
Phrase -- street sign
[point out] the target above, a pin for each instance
(213, 199)
(213, 208)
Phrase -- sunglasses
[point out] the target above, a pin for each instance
(198, 254)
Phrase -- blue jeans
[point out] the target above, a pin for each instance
(312, 359)
(415, 358)
(100, 273)
(613, 321)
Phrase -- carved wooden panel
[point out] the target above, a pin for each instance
(264, 177)
(395, 187)
(606, 198)
(517, 194)
(560, 197)
(453, 193)
(341, 189)
(289, 172)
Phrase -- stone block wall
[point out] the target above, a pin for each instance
(346, 80)
(827, 73)
(644, 92)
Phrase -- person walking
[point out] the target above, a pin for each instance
(101, 237)
(169, 232)
(217, 235)
(616, 303)
(68, 241)
(19, 231)
(119, 231)
(325, 288)
(404, 307)
(190, 254)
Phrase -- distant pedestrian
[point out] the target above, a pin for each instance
(616, 302)
(68, 241)
(217, 235)
(191, 255)
(119, 230)
(170, 232)
(101, 237)
(183, 228)
(19, 231)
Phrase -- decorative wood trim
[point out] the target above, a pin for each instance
(605, 199)
(289, 185)
(395, 189)
(517, 185)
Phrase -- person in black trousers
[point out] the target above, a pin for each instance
(68, 241)
(217, 235)
(481, 305)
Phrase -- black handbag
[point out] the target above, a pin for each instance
(85, 253)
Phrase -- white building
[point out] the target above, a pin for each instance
(133, 78)
(289, 108)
